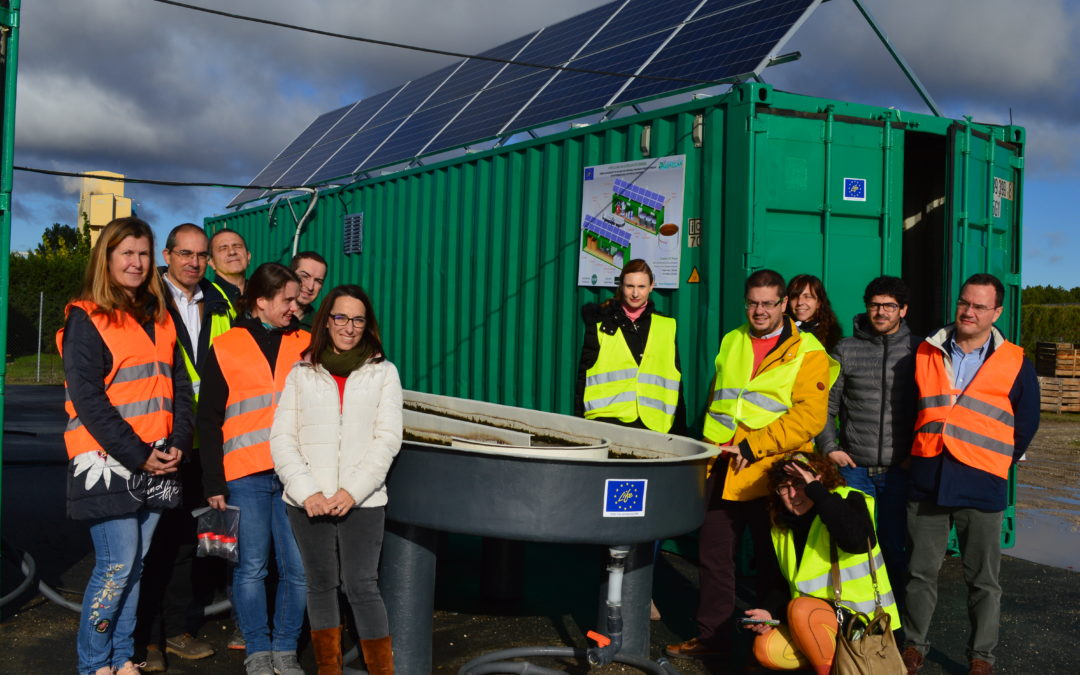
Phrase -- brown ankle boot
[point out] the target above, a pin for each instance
(327, 644)
(378, 656)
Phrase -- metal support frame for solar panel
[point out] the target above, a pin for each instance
(640, 86)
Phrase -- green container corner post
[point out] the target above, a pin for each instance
(9, 55)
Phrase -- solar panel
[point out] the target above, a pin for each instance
(449, 100)
(494, 107)
(721, 41)
(606, 229)
(353, 154)
(327, 148)
(692, 43)
(273, 171)
(623, 45)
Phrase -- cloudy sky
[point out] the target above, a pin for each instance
(156, 91)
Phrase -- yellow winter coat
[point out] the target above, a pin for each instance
(794, 430)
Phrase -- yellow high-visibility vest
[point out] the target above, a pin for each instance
(812, 576)
(740, 397)
(617, 387)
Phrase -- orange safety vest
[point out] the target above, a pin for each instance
(975, 425)
(253, 397)
(140, 384)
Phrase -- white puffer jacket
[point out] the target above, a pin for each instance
(320, 445)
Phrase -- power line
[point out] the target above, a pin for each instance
(152, 181)
(432, 50)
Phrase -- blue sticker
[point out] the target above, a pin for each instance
(589, 173)
(855, 189)
(625, 497)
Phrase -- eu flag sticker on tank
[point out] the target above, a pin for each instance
(855, 189)
(625, 497)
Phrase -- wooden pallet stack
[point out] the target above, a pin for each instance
(1058, 365)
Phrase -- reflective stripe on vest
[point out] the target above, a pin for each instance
(617, 387)
(976, 425)
(139, 386)
(811, 576)
(253, 394)
(740, 397)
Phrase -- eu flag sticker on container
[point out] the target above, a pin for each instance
(855, 189)
(589, 173)
(625, 497)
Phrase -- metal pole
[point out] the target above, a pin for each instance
(911, 76)
(9, 54)
(40, 322)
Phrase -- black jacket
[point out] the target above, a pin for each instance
(86, 363)
(611, 318)
(215, 393)
(874, 396)
(213, 304)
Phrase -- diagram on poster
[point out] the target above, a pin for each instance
(632, 210)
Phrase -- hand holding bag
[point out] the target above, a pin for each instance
(864, 645)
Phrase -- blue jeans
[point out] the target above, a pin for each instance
(262, 522)
(112, 594)
(890, 492)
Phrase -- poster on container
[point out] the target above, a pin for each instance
(632, 210)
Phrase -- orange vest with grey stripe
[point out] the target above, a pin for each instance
(253, 397)
(140, 383)
(974, 425)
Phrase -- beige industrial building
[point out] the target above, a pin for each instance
(101, 200)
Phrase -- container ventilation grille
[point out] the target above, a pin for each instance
(353, 233)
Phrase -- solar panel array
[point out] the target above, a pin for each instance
(687, 43)
(606, 229)
(639, 194)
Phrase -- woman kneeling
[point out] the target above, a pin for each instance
(815, 519)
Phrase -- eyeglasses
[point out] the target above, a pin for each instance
(964, 305)
(185, 254)
(765, 304)
(789, 487)
(887, 307)
(341, 320)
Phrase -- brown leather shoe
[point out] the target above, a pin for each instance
(692, 649)
(187, 646)
(913, 659)
(980, 667)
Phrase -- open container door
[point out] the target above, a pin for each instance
(984, 206)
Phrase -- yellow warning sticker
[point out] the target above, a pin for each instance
(695, 278)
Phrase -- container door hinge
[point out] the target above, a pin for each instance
(1016, 162)
(9, 19)
(1012, 279)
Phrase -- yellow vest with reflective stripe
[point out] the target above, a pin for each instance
(617, 387)
(219, 325)
(812, 576)
(740, 397)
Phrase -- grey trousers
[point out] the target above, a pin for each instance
(342, 553)
(979, 535)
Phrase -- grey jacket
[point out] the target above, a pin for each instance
(874, 396)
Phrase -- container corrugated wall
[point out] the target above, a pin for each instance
(472, 263)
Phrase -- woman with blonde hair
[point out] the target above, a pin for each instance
(129, 425)
(336, 432)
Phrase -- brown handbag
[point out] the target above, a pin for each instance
(864, 645)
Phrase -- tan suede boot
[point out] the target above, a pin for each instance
(378, 656)
(327, 644)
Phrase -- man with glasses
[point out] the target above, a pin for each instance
(769, 399)
(874, 397)
(310, 268)
(169, 609)
(978, 409)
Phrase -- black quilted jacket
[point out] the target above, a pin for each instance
(874, 396)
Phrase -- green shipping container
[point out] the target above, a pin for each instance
(472, 262)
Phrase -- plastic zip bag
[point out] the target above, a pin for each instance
(217, 532)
